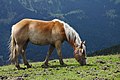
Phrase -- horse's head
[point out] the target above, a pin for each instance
(80, 53)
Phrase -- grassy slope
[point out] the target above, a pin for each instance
(98, 67)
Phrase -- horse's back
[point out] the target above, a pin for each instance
(45, 32)
(38, 31)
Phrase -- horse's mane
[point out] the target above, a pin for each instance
(71, 34)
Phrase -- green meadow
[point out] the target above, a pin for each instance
(97, 68)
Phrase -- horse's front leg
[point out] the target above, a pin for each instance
(51, 48)
(58, 47)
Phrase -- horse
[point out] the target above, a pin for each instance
(40, 32)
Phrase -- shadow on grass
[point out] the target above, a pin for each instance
(90, 65)
(67, 65)
(56, 66)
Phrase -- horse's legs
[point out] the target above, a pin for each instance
(24, 56)
(58, 47)
(17, 52)
(51, 48)
(25, 60)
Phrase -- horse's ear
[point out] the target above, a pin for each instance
(83, 42)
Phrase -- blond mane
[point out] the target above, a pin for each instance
(71, 34)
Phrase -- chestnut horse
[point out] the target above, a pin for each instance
(39, 32)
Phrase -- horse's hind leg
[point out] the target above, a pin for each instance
(17, 51)
(24, 56)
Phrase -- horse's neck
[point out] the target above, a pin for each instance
(74, 43)
(72, 36)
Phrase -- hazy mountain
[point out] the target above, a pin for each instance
(97, 21)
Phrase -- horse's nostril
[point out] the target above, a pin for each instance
(83, 64)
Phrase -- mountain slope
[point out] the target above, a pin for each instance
(97, 22)
(111, 50)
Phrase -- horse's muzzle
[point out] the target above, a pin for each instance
(82, 62)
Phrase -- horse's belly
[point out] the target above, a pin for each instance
(39, 40)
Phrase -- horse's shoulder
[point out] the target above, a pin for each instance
(58, 24)
(58, 28)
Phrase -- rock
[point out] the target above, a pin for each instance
(104, 68)
(54, 61)
(25, 75)
(15, 72)
(78, 72)
(110, 62)
(97, 58)
(110, 58)
(15, 78)
(95, 69)
(51, 73)
(101, 61)
(57, 68)
(45, 70)
(64, 72)
(88, 72)
(92, 69)
(50, 69)
(82, 75)
(38, 73)
(72, 67)
(44, 74)
(96, 78)
(108, 66)
(3, 77)
(67, 60)
(117, 62)
(117, 71)
(19, 78)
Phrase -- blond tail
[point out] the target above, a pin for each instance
(12, 47)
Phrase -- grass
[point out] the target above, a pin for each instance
(97, 68)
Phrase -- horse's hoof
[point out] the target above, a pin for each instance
(63, 64)
(44, 65)
(20, 68)
(29, 66)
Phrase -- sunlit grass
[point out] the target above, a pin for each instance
(98, 67)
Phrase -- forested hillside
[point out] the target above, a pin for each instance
(107, 51)
(96, 21)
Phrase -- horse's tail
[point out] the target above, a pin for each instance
(12, 46)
